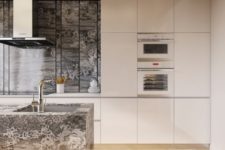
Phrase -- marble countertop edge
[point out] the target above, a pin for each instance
(58, 95)
(83, 109)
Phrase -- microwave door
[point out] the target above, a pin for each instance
(161, 49)
(155, 83)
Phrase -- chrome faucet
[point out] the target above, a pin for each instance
(41, 101)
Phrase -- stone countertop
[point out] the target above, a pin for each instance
(58, 95)
(25, 109)
(78, 95)
(62, 126)
(10, 108)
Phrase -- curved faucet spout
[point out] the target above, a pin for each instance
(40, 94)
(41, 85)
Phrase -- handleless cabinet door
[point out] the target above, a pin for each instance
(97, 132)
(192, 121)
(155, 16)
(119, 15)
(155, 120)
(119, 65)
(192, 65)
(119, 120)
(192, 15)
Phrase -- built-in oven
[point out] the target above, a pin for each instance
(155, 46)
(155, 78)
(155, 82)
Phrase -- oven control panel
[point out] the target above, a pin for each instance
(155, 64)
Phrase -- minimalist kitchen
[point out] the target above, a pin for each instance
(112, 74)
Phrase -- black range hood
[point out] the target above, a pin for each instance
(23, 27)
(31, 43)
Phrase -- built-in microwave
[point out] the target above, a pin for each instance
(155, 46)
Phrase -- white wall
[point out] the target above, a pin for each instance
(218, 75)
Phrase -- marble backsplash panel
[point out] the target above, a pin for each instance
(74, 27)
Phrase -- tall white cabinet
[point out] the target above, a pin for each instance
(155, 16)
(192, 65)
(119, 48)
(119, 65)
(192, 71)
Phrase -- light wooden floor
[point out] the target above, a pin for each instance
(149, 147)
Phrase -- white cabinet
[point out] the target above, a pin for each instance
(119, 15)
(192, 65)
(119, 120)
(97, 132)
(192, 121)
(155, 120)
(119, 65)
(155, 16)
(192, 15)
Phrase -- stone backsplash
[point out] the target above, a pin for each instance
(74, 27)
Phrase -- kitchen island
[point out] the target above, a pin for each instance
(60, 127)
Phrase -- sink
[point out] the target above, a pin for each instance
(56, 108)
(60, 127)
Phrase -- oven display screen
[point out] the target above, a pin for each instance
(155, 82)
(155, 49)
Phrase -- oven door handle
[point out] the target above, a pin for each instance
(155, 40)
(161, 69)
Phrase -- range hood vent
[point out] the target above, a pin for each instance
(23, 27)
(31, 43)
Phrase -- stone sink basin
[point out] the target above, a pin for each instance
(62, 108)
(60, 127)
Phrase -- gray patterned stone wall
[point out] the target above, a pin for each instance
(74, 27)
(1, 52)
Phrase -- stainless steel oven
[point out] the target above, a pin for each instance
(155, 82)
(155, 46)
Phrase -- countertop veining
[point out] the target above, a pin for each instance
(62, 126)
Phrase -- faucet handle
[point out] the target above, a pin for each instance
(33, 96)
(46, 81)
(35, 105)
